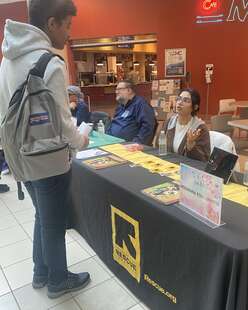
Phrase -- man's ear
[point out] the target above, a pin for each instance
(51, 22)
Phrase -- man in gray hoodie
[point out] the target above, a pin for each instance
(48, 28)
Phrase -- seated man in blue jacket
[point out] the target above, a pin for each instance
(134, 118)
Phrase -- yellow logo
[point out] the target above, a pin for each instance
(126, 242)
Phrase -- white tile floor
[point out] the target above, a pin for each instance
(105, 292)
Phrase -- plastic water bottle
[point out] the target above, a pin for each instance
(162, 143)
(100, 127)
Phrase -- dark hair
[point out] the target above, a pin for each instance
(195, 98)
(41, 10)
(129, 84)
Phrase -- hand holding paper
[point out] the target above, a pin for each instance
(84, 129)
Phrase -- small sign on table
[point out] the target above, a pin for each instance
(201, 195)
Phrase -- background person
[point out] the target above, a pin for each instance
(79, 109)
(133, 75)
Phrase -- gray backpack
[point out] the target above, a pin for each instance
(31, 132)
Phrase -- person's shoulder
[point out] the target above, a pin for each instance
(204, 129)
(139, 100)
(203, 126)
(56, 67)
(82, 104)
(198, 123)
(57, 63)
(171, 122)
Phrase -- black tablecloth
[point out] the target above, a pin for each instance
(183, 264)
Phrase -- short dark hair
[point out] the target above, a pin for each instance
(41, 10)
(195, 98)
(129, 84)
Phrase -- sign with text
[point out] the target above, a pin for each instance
(201, 193)
(214, 11)
(175, 62)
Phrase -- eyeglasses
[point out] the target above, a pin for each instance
(183, 99)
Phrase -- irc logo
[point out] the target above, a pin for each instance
(211, 11)
(209, 5)
(126, 242)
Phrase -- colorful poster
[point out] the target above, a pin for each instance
(175, 62)
(165, 105)
(155, 85)
(201, 193)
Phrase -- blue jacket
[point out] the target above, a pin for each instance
(81, 112)
(134, 121)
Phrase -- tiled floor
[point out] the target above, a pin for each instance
(105, 292)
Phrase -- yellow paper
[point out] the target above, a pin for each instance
(149, 162)
(241, 198)
(233, 188)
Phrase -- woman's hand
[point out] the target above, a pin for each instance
(192, 136)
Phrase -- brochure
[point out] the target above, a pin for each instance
(167, 193)
(104, 162)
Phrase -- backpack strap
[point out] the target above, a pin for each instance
(38, 70)
(40, 67)
(20, 191)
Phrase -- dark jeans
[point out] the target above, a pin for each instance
(2, 159)
(50, 198)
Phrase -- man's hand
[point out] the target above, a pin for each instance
(192, 136)
(73, 105)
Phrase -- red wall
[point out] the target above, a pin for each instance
(224, 44)
(16, 11)
(98, 18)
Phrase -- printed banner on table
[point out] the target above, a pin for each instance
(175, 62)
(201, 193)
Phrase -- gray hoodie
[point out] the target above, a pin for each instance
(22, 46)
